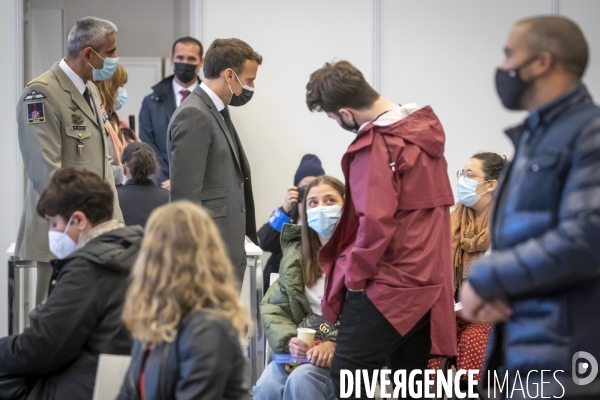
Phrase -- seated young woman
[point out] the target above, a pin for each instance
(298, 293)
(183, 311)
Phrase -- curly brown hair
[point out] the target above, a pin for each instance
(73, 190)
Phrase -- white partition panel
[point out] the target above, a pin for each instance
(586, 14)
(11, 28)
(294, 38)
(445, 53)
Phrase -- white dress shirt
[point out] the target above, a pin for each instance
(76, 79)
(177, 88)
(218, 102)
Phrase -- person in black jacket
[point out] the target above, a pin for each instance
(159, 106)
(541, 283)
(269, 235)
(57, 355)
(184, 313)
(139, 195)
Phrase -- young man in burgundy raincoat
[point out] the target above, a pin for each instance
(389, 274)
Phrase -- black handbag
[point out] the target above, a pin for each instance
(319, 324)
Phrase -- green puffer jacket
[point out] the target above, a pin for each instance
(285, 305)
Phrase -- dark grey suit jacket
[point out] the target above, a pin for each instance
(209, 167)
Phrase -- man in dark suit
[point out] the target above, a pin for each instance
(167, 95)
(208, 164)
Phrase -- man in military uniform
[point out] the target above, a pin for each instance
(61, 124)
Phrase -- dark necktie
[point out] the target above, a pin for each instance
(225, 113)
(184, 94)
(86, 96)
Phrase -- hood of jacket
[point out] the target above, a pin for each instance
(116, 250)
(418, 126)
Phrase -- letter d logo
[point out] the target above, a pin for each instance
(583, 367)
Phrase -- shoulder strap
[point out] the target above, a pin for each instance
(563, 133)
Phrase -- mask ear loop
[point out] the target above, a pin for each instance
(68, 225)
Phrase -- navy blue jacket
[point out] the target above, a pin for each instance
(138, 198)
(546, 245)
(157, 110)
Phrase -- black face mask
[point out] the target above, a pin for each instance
(510, 86)
(185, 72)
(353, 129)
(238, 100)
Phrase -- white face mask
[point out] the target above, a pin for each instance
(61, 245)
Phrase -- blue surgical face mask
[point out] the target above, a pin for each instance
(322, 219)
(109, 67)
(121, 99)
(466, 191)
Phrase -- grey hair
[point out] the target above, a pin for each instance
(88, 32)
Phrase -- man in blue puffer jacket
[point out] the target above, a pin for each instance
(541, 284)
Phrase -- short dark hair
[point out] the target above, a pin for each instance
(562, 38)
(228, 53)
(188, 40)
(141, 160)
(492, 164)
(73, 190)
(338, 85)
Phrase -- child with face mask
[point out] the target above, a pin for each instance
(300, 289)
(57, 355)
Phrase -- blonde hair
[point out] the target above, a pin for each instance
(108, 88)
(182, 266)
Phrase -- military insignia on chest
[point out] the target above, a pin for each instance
(73, 108)
(35, 112)
(77, 119)
(104, 113)
(34, 95)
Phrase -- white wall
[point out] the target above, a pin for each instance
(430, 52)
(445, 53)
(12, 180)
(586, 14)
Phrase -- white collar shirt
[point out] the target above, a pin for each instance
(177, 88)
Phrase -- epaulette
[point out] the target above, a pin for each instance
(39, 80)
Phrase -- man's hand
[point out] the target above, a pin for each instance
(290, 199)
(322, 354)
(298, 348)
(476, 309)
(166, 184)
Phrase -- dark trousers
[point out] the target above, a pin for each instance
(367, 341)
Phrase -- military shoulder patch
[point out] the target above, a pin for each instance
(34, 95)
(35, 112)
(38, 80)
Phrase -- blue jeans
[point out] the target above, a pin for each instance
(305, 382)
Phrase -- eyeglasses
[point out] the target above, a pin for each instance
(467, 174)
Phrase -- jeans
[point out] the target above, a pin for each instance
(305, 382)
(366, 340)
